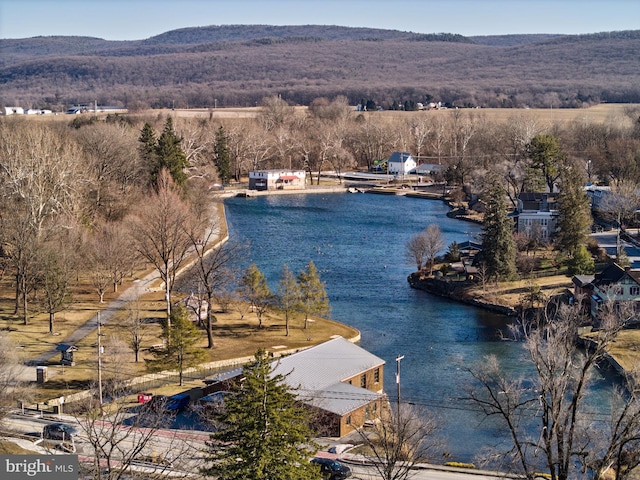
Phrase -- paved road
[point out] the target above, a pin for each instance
(186, 449)
(608, 242)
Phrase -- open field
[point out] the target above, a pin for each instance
(597, 114)
(603, 113)
(234, 337)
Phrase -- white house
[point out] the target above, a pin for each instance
(401, 163)
(37, 111)
(13, 111)
(277, 179)
(537, 214)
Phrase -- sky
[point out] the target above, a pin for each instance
(140, 19)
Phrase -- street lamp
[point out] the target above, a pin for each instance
(100, 367)
(398, 358)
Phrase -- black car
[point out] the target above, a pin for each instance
(58, 431)
(332, 469)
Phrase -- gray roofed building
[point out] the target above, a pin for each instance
(339, 378)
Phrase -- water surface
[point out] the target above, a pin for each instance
(357, 242)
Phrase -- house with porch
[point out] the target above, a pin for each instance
(277, 180)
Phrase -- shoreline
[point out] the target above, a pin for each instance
(455, 291)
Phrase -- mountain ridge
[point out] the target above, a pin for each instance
(237, 65)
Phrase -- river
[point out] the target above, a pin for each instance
(357, 242)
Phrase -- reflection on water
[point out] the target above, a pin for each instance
(357, 243)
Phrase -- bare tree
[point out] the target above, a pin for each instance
(423, 247)
(275, 112)
(398, 442)
(416, 250)
(52, 281)
(20, 244)
(548, 421)
(112, 166)
(127, 446)
(620, 206)
(136, 328)
(214, 257)
(255, 290)
(160, 231)
(41, 185)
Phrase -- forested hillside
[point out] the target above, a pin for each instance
(239, 65)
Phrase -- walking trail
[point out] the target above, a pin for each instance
(139, 287)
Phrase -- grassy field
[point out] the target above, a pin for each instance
(596, 114)
(235, 335)
(607, 112)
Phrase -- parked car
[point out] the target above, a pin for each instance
(332, 469)
(175, 403)
(58, 431)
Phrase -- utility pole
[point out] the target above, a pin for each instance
(100, 367)
(398, 358)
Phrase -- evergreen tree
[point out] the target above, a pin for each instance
(181, 339)
(313, 295)
(148, 145)
(547, 157)
(581, 263)
(498, 244)
(223, 156)
(169, 155)
(574, 220)
(254, 289)
(266, 434)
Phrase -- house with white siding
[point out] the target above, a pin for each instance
(401, 163)
(277, 180)
(13, 111)
(537, 214)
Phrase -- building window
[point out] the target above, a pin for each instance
(363, 380)
(618, 290)
(376, 376)
(348, 420)
(544, 222)
(634, 291)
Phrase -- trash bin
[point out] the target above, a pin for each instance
(41, 374)
(144, 397)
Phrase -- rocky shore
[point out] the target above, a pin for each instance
(458, 290)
